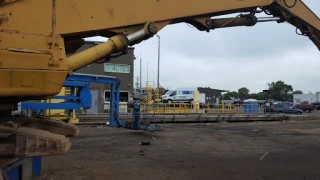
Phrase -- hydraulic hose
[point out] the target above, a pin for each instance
(290, 6)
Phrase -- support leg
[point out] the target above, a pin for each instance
(112, 99)
(117, 106)
(36, 166)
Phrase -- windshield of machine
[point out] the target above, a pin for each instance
(168, 93)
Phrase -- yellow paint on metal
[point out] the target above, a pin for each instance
(196, 100)
(56, 112)
(82, 59)
(302, 11)
(32, 83)
(223, 107)
(74, 120)
(61, 114)
(87, 16)
(172, 108)
(186, 108)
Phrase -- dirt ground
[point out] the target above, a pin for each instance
(257, 151)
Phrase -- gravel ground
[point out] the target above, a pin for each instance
(257, 151)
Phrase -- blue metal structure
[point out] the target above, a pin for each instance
(136, 125)
(83, 98)
(23, 168)
(80, 101)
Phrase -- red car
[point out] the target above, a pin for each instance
(304, 107)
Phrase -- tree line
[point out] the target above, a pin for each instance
(279, 91)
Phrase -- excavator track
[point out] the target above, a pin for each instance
(25, 137)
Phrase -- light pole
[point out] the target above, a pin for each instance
(158, 83)
(140, 72)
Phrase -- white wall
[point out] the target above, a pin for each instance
(311, 98)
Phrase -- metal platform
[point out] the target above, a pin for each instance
(80, 98)
(200, 118)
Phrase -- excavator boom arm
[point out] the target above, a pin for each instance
(299, 15)
(122, 16)
(83, 18)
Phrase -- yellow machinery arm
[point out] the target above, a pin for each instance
(37, 35)
(298, 14)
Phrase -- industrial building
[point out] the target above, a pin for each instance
(121, 67)
(212, 96)
(310, 98)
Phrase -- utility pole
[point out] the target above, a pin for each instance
(140, 71)
(137, 83)
(147, 71)
(158, 83)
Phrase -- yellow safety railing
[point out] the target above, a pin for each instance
(152, 94)
(185, 108)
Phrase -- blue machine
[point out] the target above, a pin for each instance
(83, 100)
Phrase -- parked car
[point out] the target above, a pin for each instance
(284, 108)
(305, 107)
(316, 105)
(240, 101)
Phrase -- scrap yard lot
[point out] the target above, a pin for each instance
(256, 150)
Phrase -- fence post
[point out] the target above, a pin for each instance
(222, 107)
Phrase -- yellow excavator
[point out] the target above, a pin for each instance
(37, 35)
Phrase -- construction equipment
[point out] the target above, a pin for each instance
(78, 99)
(37, 35)
(136, 123)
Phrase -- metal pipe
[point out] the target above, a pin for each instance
(136, 35)
(114, 45)
(244, 20)
(158, 75)
(268, 19)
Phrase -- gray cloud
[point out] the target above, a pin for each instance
(235, 43)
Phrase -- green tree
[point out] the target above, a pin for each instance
(297, 92)
(243, 92)
(228, 95)
(257, 96)
(280, 90)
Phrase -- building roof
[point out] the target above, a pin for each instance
(213, 89)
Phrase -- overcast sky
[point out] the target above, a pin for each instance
(232, 58)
